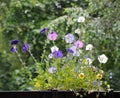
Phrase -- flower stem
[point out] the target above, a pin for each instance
(44, 50)
(18, 55)
(32, 56)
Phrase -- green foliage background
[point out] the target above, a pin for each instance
(23, 19)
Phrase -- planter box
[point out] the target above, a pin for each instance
(56, 94)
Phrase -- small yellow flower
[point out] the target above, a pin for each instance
(37, 85)
(99, 76)
(81, 76)
(108, 86)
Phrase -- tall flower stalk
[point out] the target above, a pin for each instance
(26, 48)
(14, 49)
(32, 56)
(19, 56)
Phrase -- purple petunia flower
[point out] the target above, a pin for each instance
(52, 69)
(110, 76)
(43, 30)
(78, 44)
(94, 82)
(69, 50)
(13, 49)
(14, 42)
(69, 38)
(73, 48)
(57, 54)
(52, 36)
(25, 47)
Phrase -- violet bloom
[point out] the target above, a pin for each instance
(74, 51)
(14, 42)
(52, 36)
(94, 82)
(52, 69)
(57, 54)
(43, 30)
(77, 53)
(73, 48)
(69, 38)
(13, 49)
(25, 47)
(110, 76)
(78, 44)
(69, 50)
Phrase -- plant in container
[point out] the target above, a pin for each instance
(66, 63)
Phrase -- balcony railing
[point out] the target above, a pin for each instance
(57, 94)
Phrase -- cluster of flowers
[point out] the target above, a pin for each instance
(74, 49)
(14, 42)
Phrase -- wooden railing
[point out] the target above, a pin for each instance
(57, 94)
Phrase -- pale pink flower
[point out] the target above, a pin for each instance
(52, 36)
(78, 44)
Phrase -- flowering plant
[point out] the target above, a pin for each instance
(70, 69)
(68, 65)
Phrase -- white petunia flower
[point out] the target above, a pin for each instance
(81, 19)
(50, 56)
(77, 31)
(89, 47)
(54, 48)
(52, 69)
(88, 61)
(77, 53)
(102, 58)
